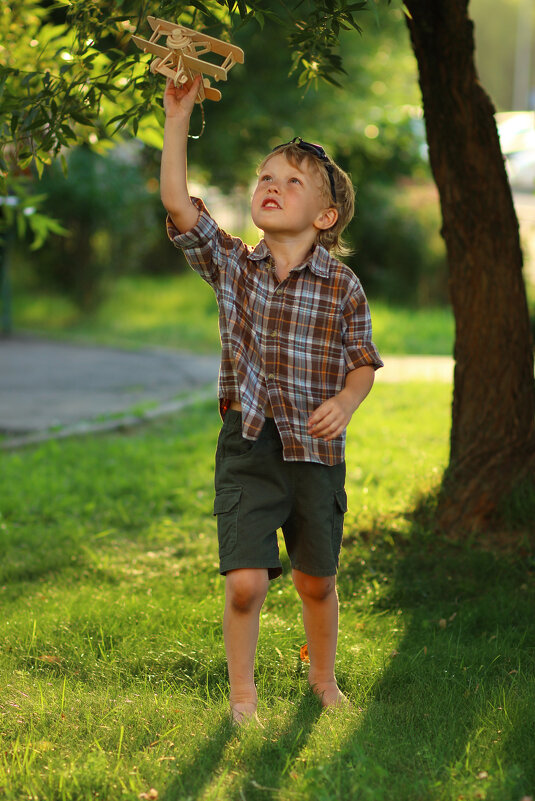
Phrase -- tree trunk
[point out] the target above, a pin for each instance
(492, 435)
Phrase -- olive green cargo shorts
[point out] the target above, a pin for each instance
(257, 492)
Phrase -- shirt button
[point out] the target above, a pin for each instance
(273, 334)
(271, 375)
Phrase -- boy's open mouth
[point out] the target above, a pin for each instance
(270, 203)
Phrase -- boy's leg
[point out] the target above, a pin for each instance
(245, 592)
(320, 619)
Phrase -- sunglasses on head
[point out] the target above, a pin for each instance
(318, 152)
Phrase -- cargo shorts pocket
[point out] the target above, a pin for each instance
(340, 508)
(227, 507)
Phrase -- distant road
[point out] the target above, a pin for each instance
(45, 384)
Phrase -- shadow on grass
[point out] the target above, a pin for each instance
(65, 504)
(198, 772)
(444, 718)
(255, 751)
(268, 761)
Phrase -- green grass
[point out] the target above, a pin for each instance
(405, 331)
(112, 665)
(180, 312)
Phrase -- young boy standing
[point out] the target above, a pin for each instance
(297, 362)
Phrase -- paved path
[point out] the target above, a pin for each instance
(416, 368)
(46, 384)
(76, 388)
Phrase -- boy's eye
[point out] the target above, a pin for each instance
(295, 180)
(265, 177)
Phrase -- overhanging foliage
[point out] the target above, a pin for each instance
(69, 74)
(68, 70)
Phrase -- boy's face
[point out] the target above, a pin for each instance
(288, 199)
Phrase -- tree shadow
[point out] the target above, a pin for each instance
(64, 505)
(257, 751)
(450, 676)
(268, 760)
(194, 776)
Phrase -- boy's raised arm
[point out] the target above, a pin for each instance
(178, 104)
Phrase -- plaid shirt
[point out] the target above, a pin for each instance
(287, 344)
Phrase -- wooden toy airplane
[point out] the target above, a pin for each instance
(179, 58)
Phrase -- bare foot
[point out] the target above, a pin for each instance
(329, 694)
(244, 712)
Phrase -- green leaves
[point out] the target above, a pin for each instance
(22, 212)
(41, 226)
(76, 77)
(315, 35)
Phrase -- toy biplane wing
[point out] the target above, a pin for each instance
(179, 59)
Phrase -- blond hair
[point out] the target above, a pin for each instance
(330, 238)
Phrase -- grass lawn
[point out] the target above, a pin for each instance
(112, 668)
(181, 312)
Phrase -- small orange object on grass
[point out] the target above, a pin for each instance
(303, 653)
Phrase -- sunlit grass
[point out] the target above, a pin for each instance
(171, 311)
(381, 485)
(181, 312)
(398, 330)
(112, 664)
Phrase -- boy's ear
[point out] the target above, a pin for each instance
(326, 219)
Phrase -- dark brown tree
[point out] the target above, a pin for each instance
(493, 434)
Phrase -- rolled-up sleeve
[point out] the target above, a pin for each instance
(359, 349)
(199, 244)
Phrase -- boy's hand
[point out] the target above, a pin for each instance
(330, 419)
(178, 101)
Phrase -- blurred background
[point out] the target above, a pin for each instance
(112, 276)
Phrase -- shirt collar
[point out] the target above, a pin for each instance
(319, 261)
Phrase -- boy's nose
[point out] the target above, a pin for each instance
(273, 188)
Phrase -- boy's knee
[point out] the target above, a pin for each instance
(314, 588)
(246, 589)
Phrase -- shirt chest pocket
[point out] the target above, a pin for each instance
(321, 325)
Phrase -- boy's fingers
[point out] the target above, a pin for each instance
(169, 85)
(320, 414)
(183, 89)
(322, 429)
(189, 87)
(328, 424)
(327, 428)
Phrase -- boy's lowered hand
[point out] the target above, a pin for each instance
(330, 419)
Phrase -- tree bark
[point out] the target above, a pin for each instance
(493, 434)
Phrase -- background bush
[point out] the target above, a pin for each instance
(114, 217)
(399, 253)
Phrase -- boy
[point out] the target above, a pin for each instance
(297, 361)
